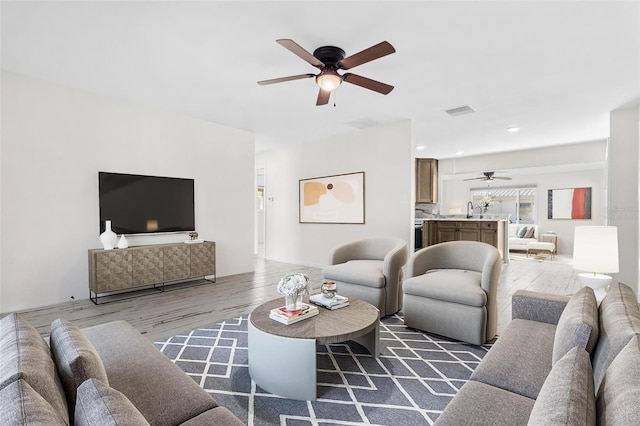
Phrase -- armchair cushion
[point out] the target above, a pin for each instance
(449, 285)
(362, 272)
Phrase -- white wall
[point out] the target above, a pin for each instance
(624, 180)
(384, 153)
(54, 142)
(584, 166)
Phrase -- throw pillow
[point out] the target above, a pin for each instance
(76, 358)
(530, 232)
(21, 405)
(522, 231)
(618, 396)
(25, 355)
(619, 323)
(578, 324)
(98, 404)
(567, 396)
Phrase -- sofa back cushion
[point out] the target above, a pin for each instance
(76, 358)
(25, 355)
(619, 323)
(619, 393)
(20, 405)
(578, 324)
(567, 396)
(98, 404)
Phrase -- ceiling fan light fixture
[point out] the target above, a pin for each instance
(329, 80)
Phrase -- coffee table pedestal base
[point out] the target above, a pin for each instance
(283, 366)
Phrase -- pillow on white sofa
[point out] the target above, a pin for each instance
(522, 231)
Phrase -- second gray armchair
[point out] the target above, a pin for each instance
(451, 288)
(370, 269)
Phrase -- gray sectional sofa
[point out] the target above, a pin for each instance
(561, 361)
(103, 375)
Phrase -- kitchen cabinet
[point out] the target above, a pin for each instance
(426, 180)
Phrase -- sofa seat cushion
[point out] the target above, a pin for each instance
(76, 358)
(481, 404)
(157, 387)
(619, 323)
(449, 285)
(567, 396)
(619, 393)
(98, 404)
(25, 355)
(520, 242)
(520, 360)
(362, 272)
(578, 324)
(21, 405)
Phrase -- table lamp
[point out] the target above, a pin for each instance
(595, 249)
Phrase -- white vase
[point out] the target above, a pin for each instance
(122, 242)
(108, 237)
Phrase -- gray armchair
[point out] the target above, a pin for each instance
(451, 288)
(371, 270)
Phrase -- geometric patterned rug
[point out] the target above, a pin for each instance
(411, 382)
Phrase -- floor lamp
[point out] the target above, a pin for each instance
(595, 249)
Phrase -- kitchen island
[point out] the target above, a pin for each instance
(487, 229)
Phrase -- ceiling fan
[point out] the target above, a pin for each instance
(489, 177)
(330, 59)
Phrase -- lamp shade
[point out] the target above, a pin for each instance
(595, 249)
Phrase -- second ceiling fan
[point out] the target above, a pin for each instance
(489, 177)
(330, 59)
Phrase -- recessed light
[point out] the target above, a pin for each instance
(459, 152)
(513, 129)
(420, 147)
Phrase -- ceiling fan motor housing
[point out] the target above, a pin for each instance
(329, 55)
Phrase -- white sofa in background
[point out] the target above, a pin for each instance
(520, 244)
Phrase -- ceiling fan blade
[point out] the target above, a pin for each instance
(374, 52)
(323, 97)
(503, 178)
(283, 79)
(298, 50)
(476, 178)
(367, 83)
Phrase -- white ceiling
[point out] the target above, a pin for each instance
(555, 69)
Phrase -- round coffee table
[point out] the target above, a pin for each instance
(282, 358)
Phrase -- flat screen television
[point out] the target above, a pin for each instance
(137, 204)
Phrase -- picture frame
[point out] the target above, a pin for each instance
(569, 203)
(332, 199)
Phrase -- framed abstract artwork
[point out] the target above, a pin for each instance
(569, 203)
(332, 199)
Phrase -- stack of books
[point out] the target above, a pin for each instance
(335, 302)
(284, 316)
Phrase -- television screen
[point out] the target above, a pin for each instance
(138, 204)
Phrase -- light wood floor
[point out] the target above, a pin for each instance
(183, 308)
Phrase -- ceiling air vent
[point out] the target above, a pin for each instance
(454, 112)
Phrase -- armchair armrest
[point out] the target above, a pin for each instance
(536, 306)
